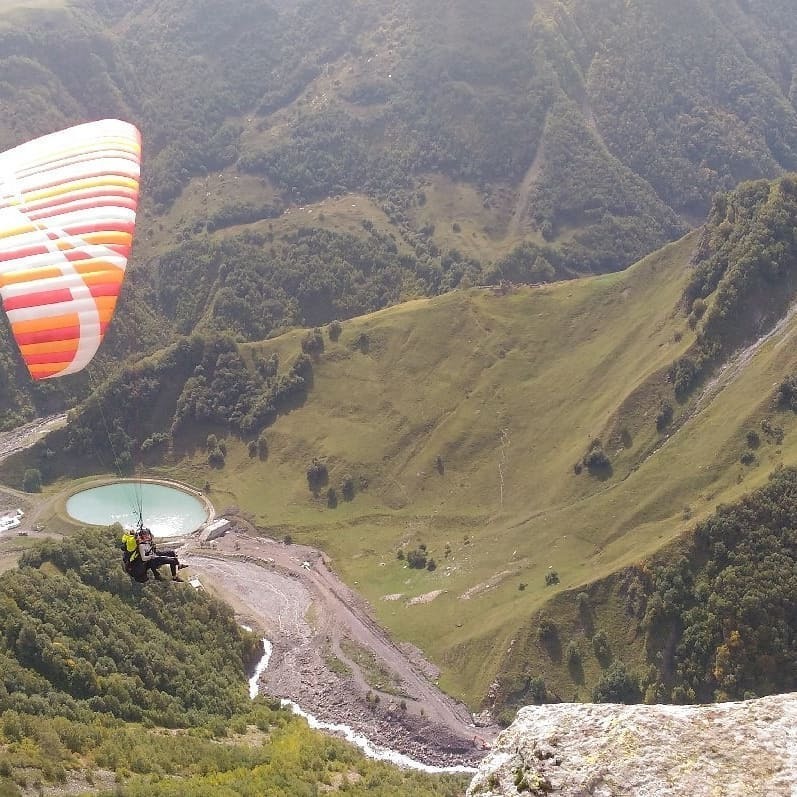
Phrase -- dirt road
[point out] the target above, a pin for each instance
(330, 656)
(25, 436)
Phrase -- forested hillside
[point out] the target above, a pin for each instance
(711, 618)
(449, 143)
(115, 689)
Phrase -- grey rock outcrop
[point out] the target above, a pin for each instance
(580, 750)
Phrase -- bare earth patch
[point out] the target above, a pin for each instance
(427, 597)
(492, 582)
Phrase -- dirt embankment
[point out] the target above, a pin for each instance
(330, 656)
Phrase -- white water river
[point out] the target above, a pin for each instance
(370, 749)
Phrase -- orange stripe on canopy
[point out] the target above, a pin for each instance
(42, 324)
(29, 275)
(45, 371)
(55, 345)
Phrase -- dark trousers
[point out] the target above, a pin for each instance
(164, 558)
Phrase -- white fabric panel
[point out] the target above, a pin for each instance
(70, 157)
(76, 171)
(75, 137)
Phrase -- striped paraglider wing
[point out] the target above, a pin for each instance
(67, 211)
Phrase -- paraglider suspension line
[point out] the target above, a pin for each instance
(137, 499)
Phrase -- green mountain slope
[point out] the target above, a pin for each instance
(515, 433)
(480, 141)
(709, 618)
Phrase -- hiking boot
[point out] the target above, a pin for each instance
(176, 578)
(158, 576)
(181, 566)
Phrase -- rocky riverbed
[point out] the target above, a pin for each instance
(330, 656)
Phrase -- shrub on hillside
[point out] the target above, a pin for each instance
(537, 692)
(334, 328)
(551, 578)
(32, 481)
(596, 460)
(547, 630)
(600, 644)
(317, 475)
(617, 685)
(216, 457)
(313, 342)
(698, 310)
(347, 488)
(787, 394)
(664, 417)
(683, 375)
(573, 654)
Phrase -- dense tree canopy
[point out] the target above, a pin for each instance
(725, 608)
(99, 672)
(744, 273)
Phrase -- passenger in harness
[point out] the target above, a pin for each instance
(152, 558)
(140, 554)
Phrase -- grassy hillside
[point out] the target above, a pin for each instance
(458, 422)
(708, 618)
(509, 403)
(530, 440)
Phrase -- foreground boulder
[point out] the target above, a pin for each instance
(747, 748)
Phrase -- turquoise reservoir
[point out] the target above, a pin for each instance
(168, 511)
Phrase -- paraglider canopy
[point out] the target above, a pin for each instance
(67, 213)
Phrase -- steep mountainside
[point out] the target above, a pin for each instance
(478, 140)
(529, 440)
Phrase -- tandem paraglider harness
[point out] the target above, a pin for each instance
(131, 558)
